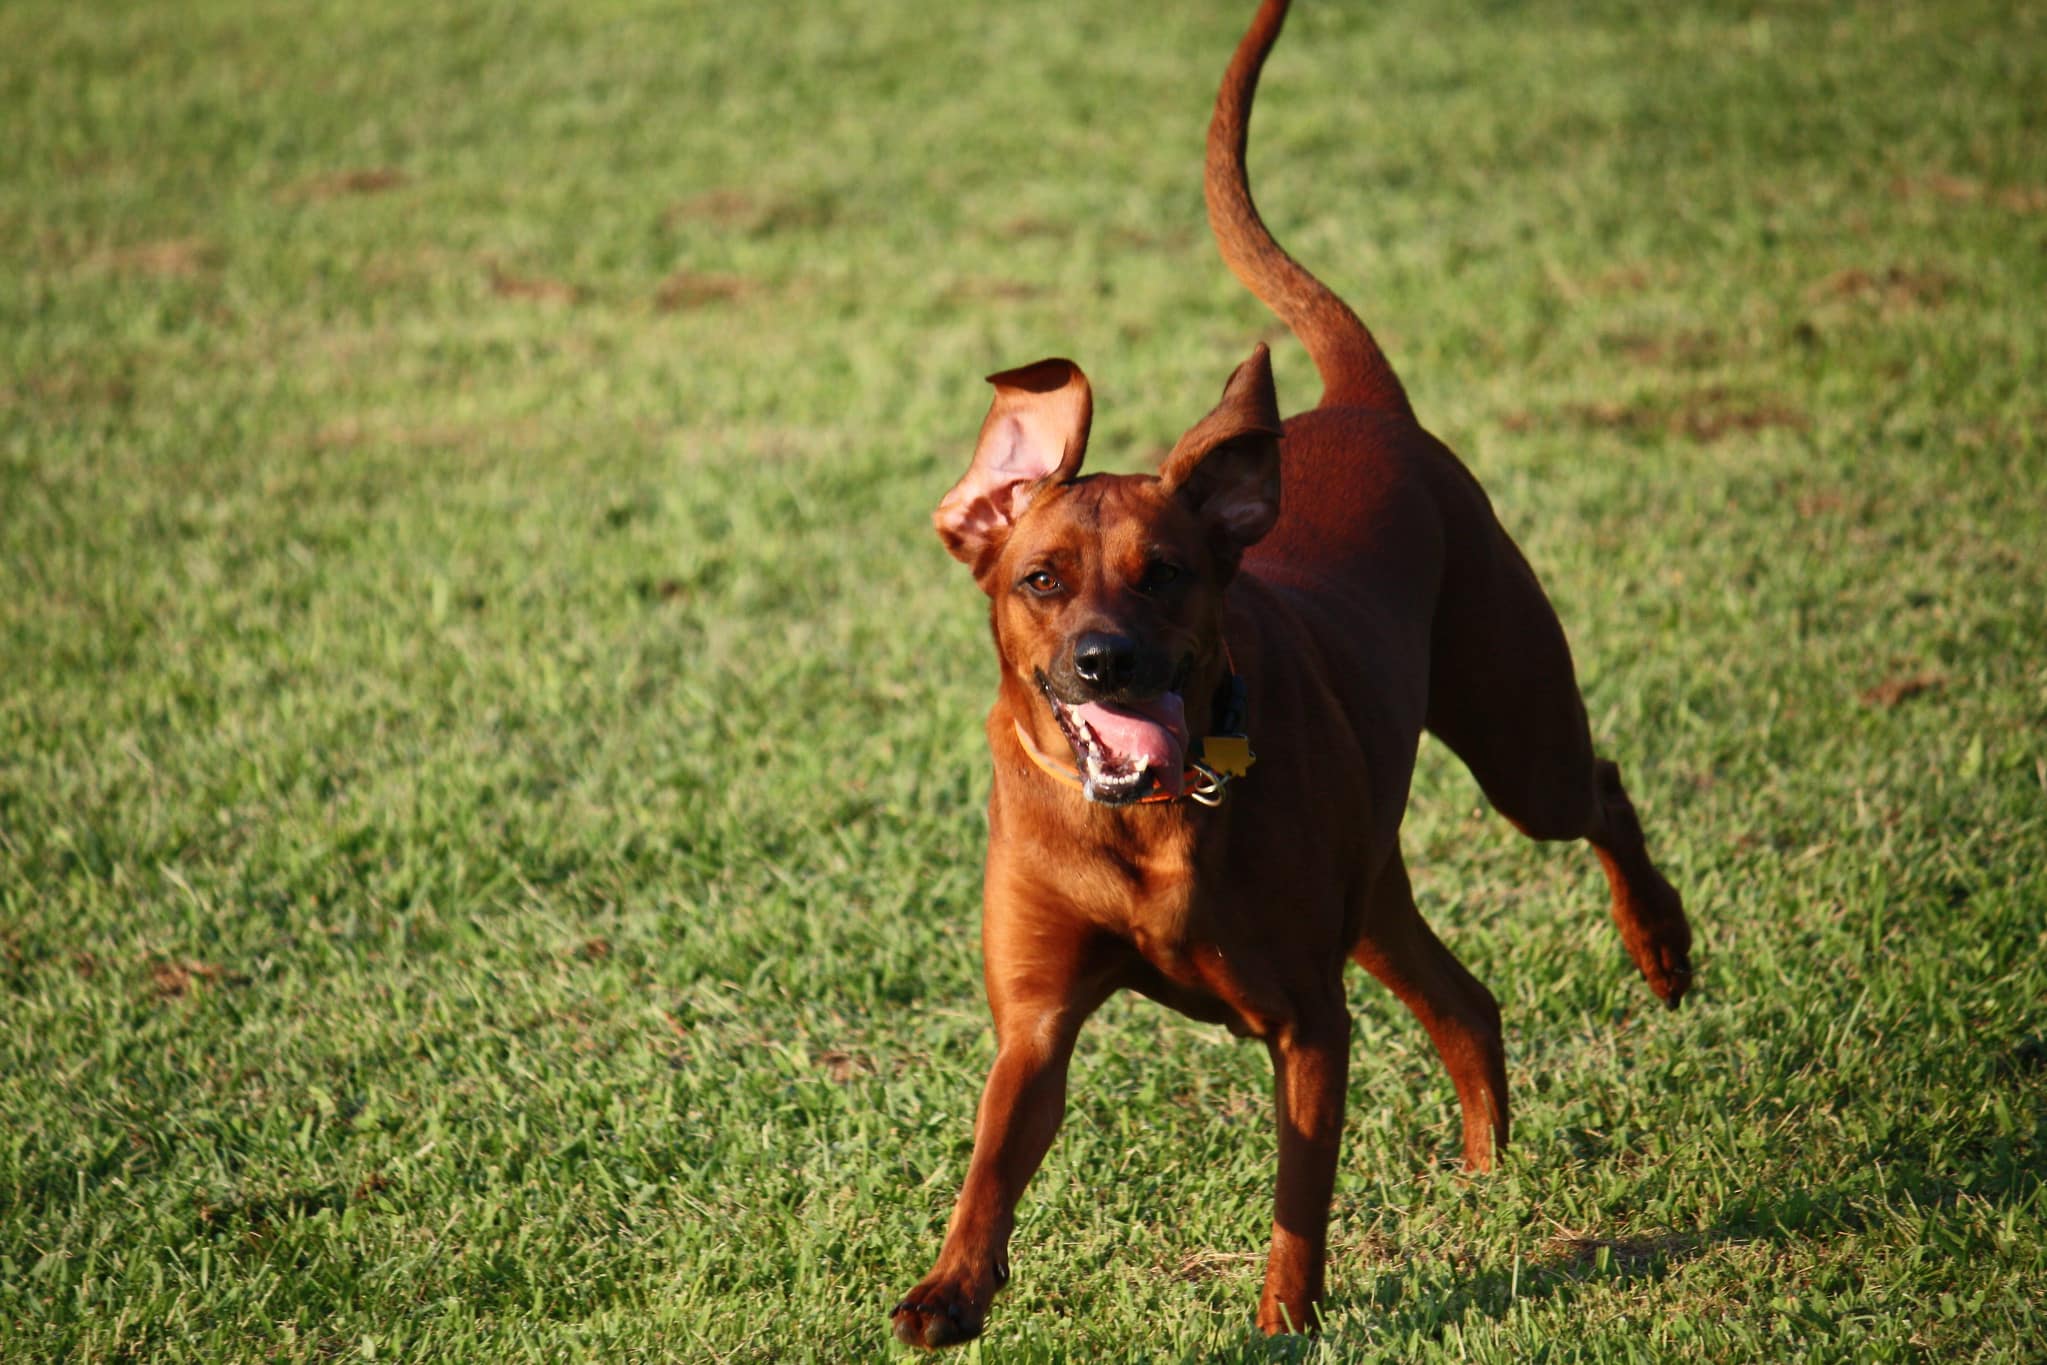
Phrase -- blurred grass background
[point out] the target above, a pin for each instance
(490, 772)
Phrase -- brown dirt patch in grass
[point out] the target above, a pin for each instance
(536, 288)
(1704, 415)
(750, 211)
(1823, 503)
(173, 979)
(173, 258)
(68, 387)
(660, 589)
(1633, 277)
(1624, 1253)
(1685, 348)
(341, 184)
(726, 208)
(992, 291)
(1894, 286)
(687, 289)
(1708, 421)
(845, 1066)
(1198, 1266)
(1896, 691)
(1956, 189)
(1016, 229)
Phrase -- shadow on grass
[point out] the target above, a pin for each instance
(1943, 1195)
(1567, 1266)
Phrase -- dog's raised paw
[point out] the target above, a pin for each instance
(937, 1314)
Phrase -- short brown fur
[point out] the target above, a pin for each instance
(1354, 571)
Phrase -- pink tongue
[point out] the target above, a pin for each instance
(1151, 734)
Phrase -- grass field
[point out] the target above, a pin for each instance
(490, 774)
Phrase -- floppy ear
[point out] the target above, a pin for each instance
(1226, 468)
(1034, 435)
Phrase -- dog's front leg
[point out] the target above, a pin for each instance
(1310, 1062)
(1020, 1112)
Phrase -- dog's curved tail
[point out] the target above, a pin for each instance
(1354, 370)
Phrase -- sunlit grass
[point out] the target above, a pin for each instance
(490, 768)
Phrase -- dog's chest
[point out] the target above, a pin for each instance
(1140, 891)
(1157, 897)
(1188, 944)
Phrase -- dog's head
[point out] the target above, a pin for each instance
(1107, 589)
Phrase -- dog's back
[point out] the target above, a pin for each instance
(1383, 535)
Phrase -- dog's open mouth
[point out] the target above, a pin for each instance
(1126, 749)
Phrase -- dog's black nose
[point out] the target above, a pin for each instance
(1105, 661)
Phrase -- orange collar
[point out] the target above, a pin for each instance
(1222, 756)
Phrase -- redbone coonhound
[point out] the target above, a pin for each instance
(1320, 591)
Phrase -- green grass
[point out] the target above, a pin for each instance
(490, 774)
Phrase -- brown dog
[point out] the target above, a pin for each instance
(1133, 617)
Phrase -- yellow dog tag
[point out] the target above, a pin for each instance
(1229, 755)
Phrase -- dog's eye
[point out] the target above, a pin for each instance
(1041, 582)
(1158, 576)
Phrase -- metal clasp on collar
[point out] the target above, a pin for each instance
(1210, 791)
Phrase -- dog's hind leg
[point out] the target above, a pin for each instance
(1536, 765)
(1646, 908)
(1582, 798)
(1504, 697)
(1460, 1014)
